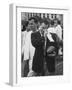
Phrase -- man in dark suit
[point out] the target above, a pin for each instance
(38, 41)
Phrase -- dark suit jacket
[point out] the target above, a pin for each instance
(38, 59)
(38, 42)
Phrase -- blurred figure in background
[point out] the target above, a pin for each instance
(55, 31)
(51, 30)
(58, 28)
(39, 21)
(59, 31)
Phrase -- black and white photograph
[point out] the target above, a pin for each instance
(41, 44)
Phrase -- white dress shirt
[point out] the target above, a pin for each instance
(57, 30)
(29, 50)
(23, 37)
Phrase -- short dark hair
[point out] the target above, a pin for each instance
(25, 24)
(38, 19)
(52, 22)
(35, 20)
(45, 21)
(58, 21)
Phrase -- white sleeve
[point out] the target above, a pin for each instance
(59, 32)
(49, 35)
(26, 47)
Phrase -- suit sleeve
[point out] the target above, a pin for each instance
(37, 40)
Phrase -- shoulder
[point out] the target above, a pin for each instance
(51, 30)
(29, 33)
(58, 27)
(35, 33)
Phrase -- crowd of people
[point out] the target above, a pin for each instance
(41, 41)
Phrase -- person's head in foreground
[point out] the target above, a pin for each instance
(44, 26)
(33, 24)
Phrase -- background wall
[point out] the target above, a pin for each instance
(4, 41)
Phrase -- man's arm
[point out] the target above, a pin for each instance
(37, 41)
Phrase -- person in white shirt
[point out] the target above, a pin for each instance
(58, 30)
(23, 37)
(50, 30)
(24, 33)
(55, 29)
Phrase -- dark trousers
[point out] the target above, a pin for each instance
(50, 61)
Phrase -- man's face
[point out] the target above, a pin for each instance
(55, 23)
(43, 26)
(32, 25)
